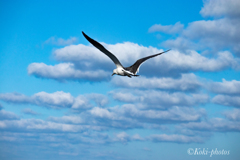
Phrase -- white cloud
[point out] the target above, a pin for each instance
(221, 8)
(128, 53)
(180, 43)
(175, 138)
(232, 101)
(220, 33)
(214, 124)
(137, 137)
(217, 34)
(84, 101)
(15, 98)
(6, 115)
(54, 100)
(232, 115)
(60, 41)
(87, 63)
(99, 99)
(196, 62)
(81, 102)
(124, 96)
(225, 87)
(159, 99)
(58, 99)
(102, 113)
(134, 117)
(29, 111)
(180, 114)
(91, 57)
(67, 119)
(110, 118)
(187, 82)
(41, 125)
(123, 137)
(170, 29)
(65, 71)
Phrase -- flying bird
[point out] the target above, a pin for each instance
(120, 70)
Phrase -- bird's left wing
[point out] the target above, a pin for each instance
(104, 50)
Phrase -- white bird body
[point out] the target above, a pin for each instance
(120, 70)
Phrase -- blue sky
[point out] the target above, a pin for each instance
(58, 99)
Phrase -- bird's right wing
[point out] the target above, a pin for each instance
(134, 68)
(104, 50)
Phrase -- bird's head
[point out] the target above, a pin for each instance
(114, 72)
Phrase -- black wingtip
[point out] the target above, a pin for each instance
(84, 34)
(88, 38)
(167, 50)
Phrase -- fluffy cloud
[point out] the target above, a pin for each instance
(174, 114)
(128, 53)
(60, 41)
(99, 99)
(218, 34)
(82, 62)
(221, 8)
(233, 115)
(232, 101)
(103, 113)
(131, 114)
(111, 119)
(198, 37)
(84, 101)
(178, 62)
(6, 115)
(89, 56)
(67, 119)
(225, 87)
(29, 111)
(159, 99)
(41, 125)
(15, 98)
(123, 137)
(170, 29)
(176, 138)
(187, 82)
(57, 99)
(214, 124)
(81, 102)
(65, 71)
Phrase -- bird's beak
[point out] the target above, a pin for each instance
(113, 74)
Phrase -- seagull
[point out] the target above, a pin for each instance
(120, 70)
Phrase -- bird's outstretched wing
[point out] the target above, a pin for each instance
(104, 50)
(134, 68)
